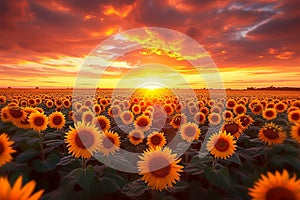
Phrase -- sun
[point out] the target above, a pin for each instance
(152, 86)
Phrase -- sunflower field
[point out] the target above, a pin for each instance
(54, 145)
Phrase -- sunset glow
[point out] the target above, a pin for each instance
(253, 44)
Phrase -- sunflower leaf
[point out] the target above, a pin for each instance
(135, 188)
(219, 177)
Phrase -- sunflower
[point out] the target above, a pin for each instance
(230, 103)
(295, 132)
(17, 191)
(83, 140)
(294, 116)
(204, 110)
(16, 113)
(292, 108)
(136, 137)
(245, 120)
(5, 150)
(58, 103)
(227, 115)
(177, 120)
(39, 109)
(256, 108)
(193, 110)
(142, 123)
(221, 145)
(269, 114)
(190, 132)
(216, 109)
(88, 116)
(25, 123)
(280, 107)
(169, 109)
(38, 121)
(136, 109)
(233, 127)
(214, 118)
(104, 102)
(2, 100)
(114, 111)
(102, 122)
(110, 143)
(127, 117)
(159, 168)
(156, 139)
(23, 103)
(57, 120)
(239, 109)
(271, 134)
(5, 116)
(97, 109)
(66, 103)
(277, 186)
(71, 115)
(31, 102)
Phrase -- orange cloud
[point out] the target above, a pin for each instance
(121, 12)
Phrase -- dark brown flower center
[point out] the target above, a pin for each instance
(155, 140)
(190, 131)
(88, 118)
(269, 113)
(257, 108)
(222, 144)
(102, 123)
(136, 108)
(115, 111)
(57, 120)
(177, 120)
(84, 139)
(66, 103)
(127, 116)
(15, 112)
(231, 104)
(159, 167)
(245, 121)
(136, 136)
(295, 116)
(279, 107)
(215, 118)
(271, 134)
(142, 122)
(168, 109)
(280, 193)
(97, 109)
(58, 102)
(39, 121)
(231, 128)
(108, 142)
(227, 115)
(239, 109)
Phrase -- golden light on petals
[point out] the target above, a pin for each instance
(221, 145)
(136, 137)
(276, 186)
(271, 134)
(190, 132)
(110, 143)
(156, 139)
(5, 149)
(159, 168)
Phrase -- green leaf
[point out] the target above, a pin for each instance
(67, 160)
(45, 165)
(27, 155)
(218, 177)
(235, 159)
(85, 177)
(54, 143)
(178, 187)
(135, 188)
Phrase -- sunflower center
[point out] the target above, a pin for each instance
(39, 121)
(280, 193)
(97, 109)
(239, 109)
(155, 140)
(231, 128)
(15, 113)
(257, 109)
(88, 118)
(84, 139)
(108, 142)
(136, 136)
(295, 116)
(280, 107)
(215, 118)
(222, 144)
(58, 103)
(57, 120)
(136, 109)
(269, 113)
(127, 116)
(271, 134)
(231, 104)
(114, 111)
(102, 124)
(66, 103)
(227, 115)
(245, 121)
(159, 167)
(177, 120)
(1, 148)
(142, 122)
(168, 109)
(190, 131)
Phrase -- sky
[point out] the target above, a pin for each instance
(248, 43)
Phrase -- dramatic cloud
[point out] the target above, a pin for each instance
(45, 42)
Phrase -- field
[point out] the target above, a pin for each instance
(151, 144)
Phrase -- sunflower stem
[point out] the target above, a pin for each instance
(83, 163)
(41, 135)
(215, 162)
